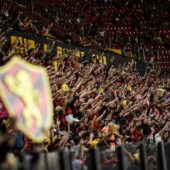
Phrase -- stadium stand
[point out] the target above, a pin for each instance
(124, 115)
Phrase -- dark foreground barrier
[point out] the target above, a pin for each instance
(129, 157)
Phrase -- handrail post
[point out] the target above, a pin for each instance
(121, 157)
(161, 156)
(143, 157)
(96, 159)
(65, 160)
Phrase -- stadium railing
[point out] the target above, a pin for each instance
(143, 156)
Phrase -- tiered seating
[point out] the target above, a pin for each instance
(121, 24)
(138, 28)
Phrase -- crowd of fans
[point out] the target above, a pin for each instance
(128, 25)
(94, 105)
(97, 105)
(139, 28)
(21, 22)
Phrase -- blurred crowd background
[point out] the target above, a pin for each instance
(95, 105)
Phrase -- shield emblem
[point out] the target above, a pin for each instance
(25, 91)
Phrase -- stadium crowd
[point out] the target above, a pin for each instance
(97, 105)
(94, 105)
(139, 28)
(133, 26)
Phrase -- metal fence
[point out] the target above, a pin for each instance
(130, 157)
